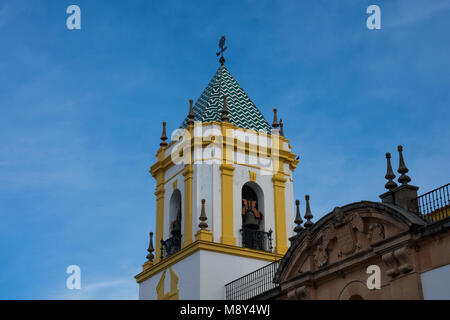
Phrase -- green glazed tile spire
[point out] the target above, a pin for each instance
(241, 110)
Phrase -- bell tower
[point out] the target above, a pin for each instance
(224, 195)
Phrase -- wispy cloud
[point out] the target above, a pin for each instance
(114, 289)
(412, 13)
(7, 11)
(11, 10)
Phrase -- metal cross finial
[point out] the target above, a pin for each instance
(222, 49)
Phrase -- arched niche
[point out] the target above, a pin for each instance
(355, 290)
(252, 192)
(175, 215)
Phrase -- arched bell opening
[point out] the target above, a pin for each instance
(252, 231)
(173, 243)
(252, 207)
(175, 213)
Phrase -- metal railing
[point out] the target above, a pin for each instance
(256, 239)
(434, 205)
(170, 246)
(252, 284)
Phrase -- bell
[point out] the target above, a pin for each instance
(250, 221)
(175, 227)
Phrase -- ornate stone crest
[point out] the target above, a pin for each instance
(321, 256)
(376, 232)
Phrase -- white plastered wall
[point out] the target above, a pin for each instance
(188, 271)
(436, 284)
(202, 275)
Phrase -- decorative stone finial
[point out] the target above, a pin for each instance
(275, 124)
(308, 215)
(402, 169)
(225, 117)
(164, 136)
(281, 128)
(389, 174)
(150, 249)
(203, 225)
(298, 218)
(191, 113)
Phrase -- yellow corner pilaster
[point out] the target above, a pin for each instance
(227, 205)
(159, 193)
(159, 213)
(280, 214)
(279, 198)
(188, 183)
(227, 171)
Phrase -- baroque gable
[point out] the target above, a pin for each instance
(343, 234)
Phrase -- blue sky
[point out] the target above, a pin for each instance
(81, 113)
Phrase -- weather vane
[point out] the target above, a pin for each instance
(222, 49)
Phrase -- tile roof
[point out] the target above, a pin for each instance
(242, 111)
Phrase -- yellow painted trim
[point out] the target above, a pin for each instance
(173, 294)
(188, 198)
(175, 184)
(209, 246)
(252, 175)
(279, 199)
(280, 213)
(204, 235)
(283, 155)
(160, 192)
(147, 265)
(160, 286)
(286, 156)
(227, 236)
(226, 173)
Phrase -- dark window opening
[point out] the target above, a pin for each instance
(252, 232)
